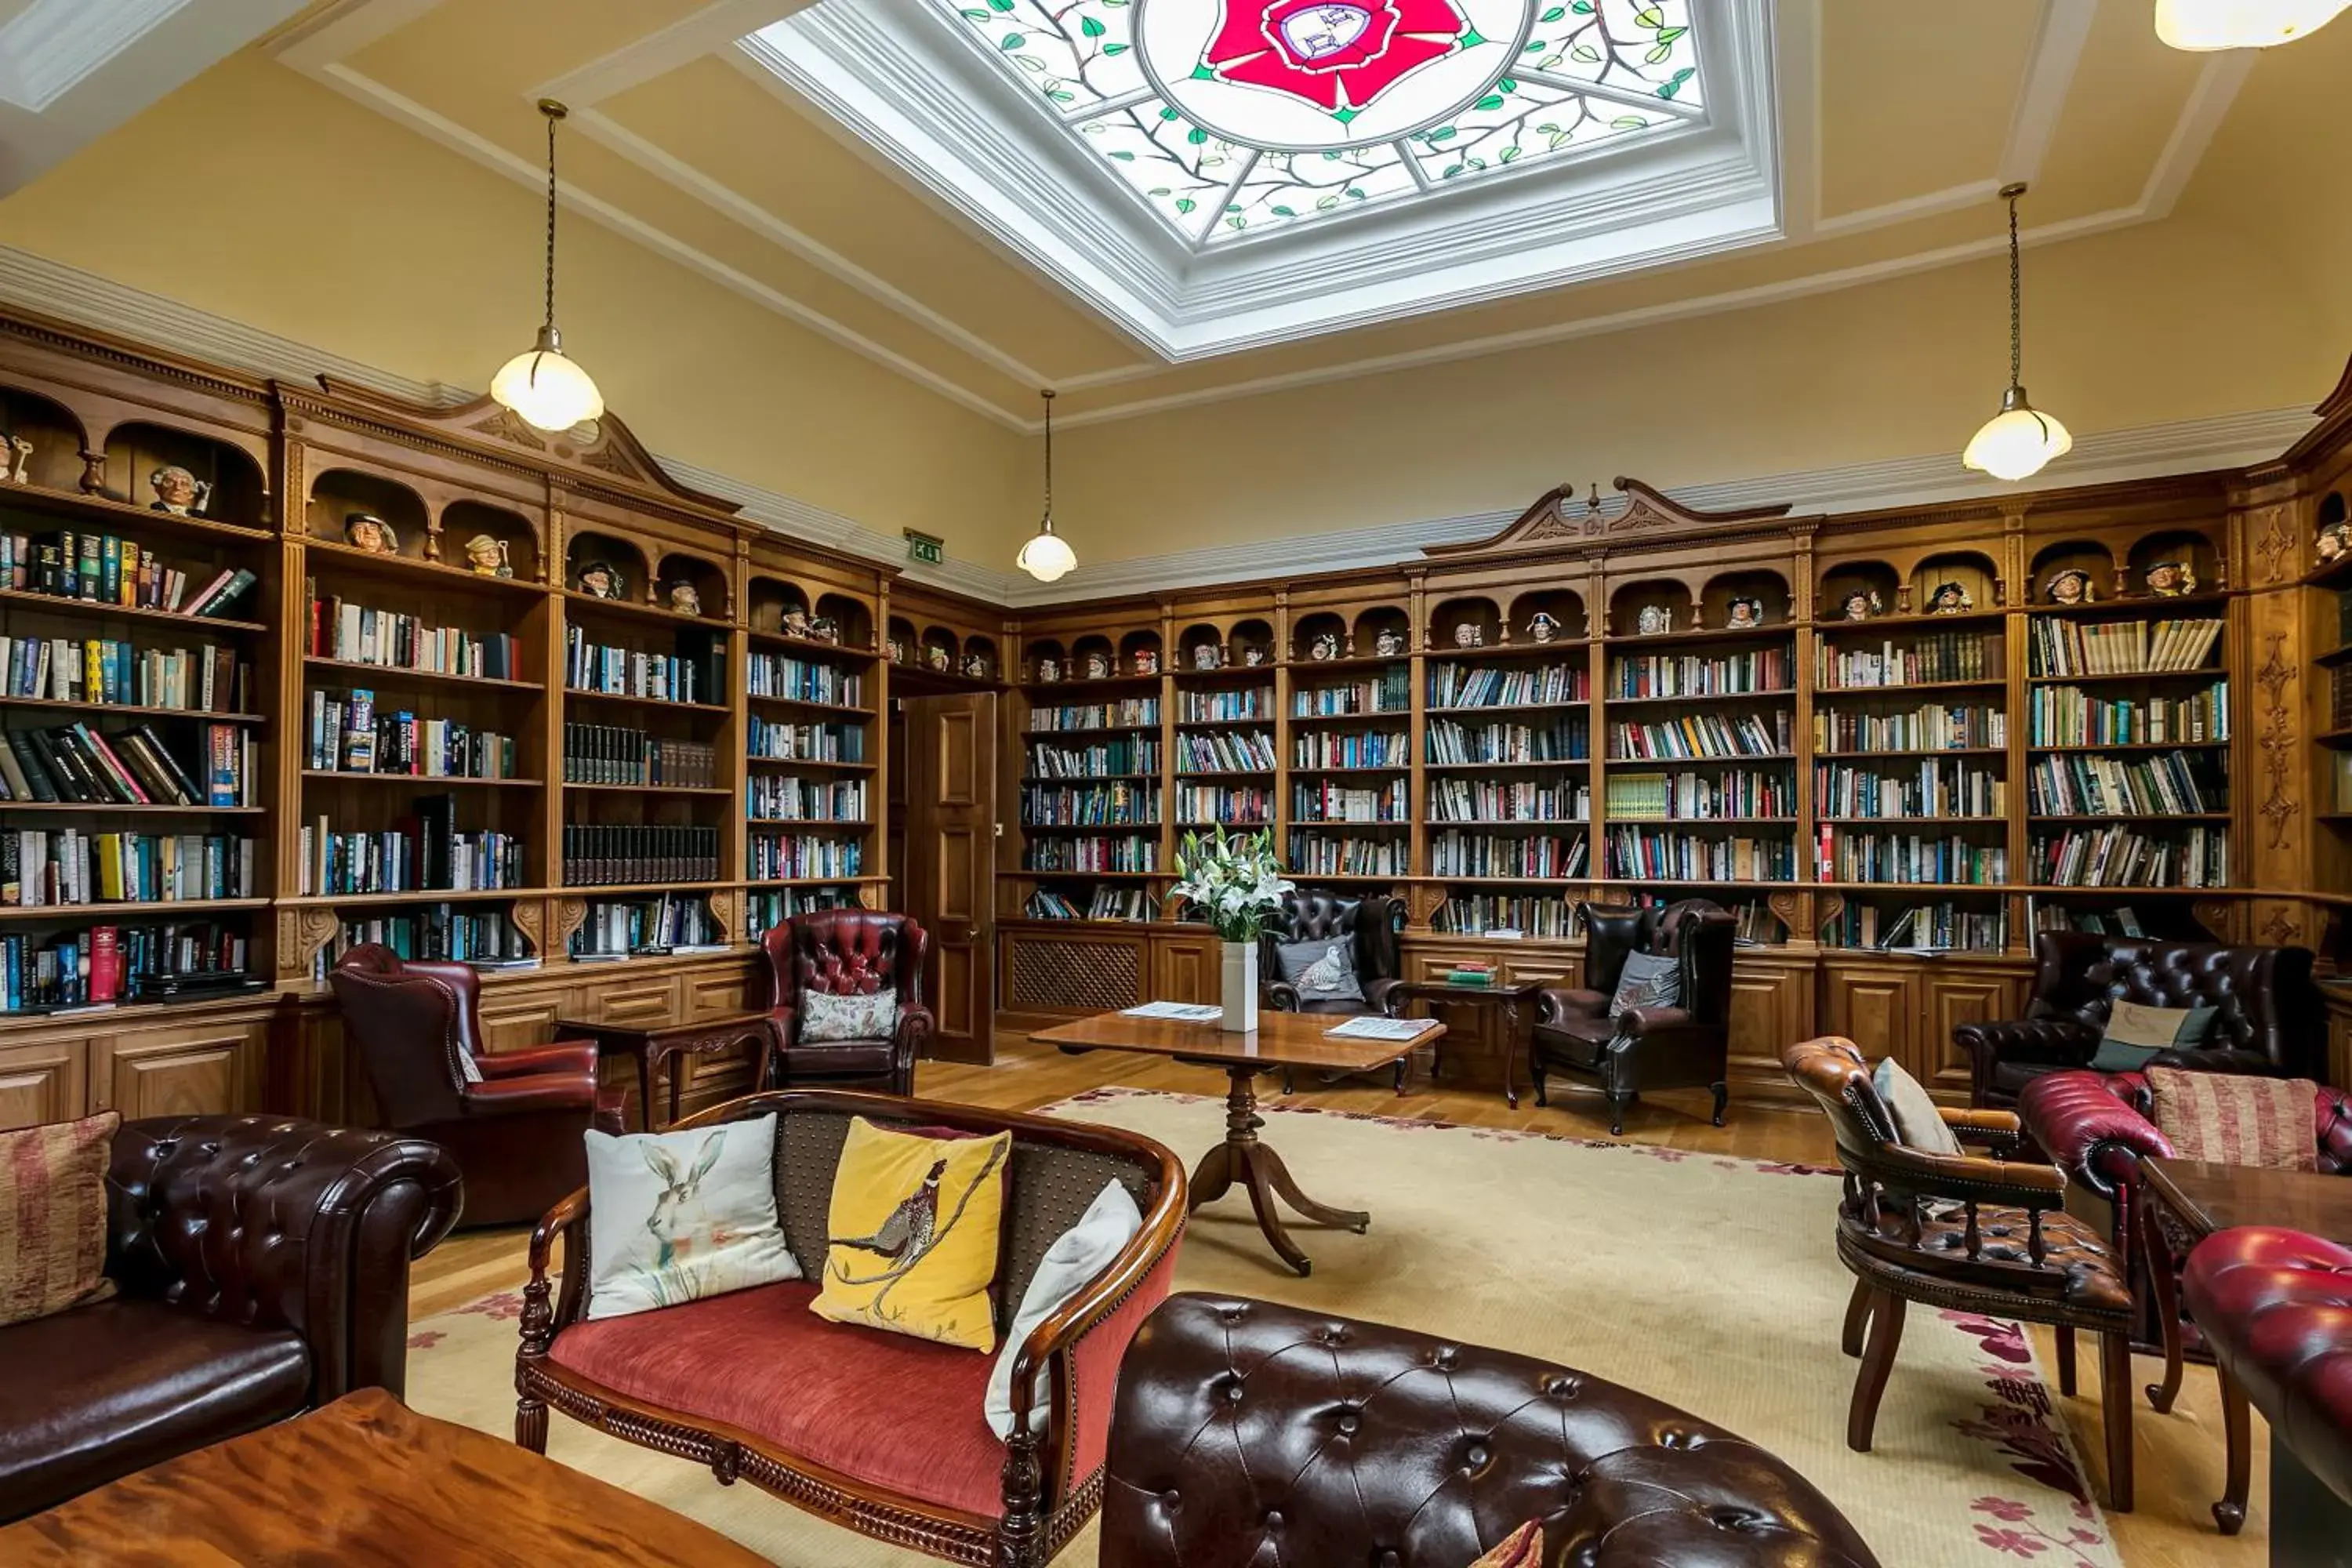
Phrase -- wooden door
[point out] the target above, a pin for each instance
(951, 863)
(42, 1081)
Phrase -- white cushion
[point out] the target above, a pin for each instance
(676, 1216)
(1913, 1109)
(825, 1017)
(1077, 1255)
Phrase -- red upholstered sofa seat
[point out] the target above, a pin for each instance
(898, 1413)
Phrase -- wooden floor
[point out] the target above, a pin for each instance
(2178, 1455)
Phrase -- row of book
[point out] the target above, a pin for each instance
(1129, 852)
(1121, 754)
(74, 764)
(803, 680)
(623, 928)
(1707, 736)
(1770, 671)
(1516, 800)
(1566, 740)
(1694, 796)
(802, 857)
(1492, 686)
(447, 933)
(1650, 854)
(1919, 927)
(2064, 646)
(1135, 712)
(596, 854)
(362, 634)
(1352, 748)
(1845, 856)
(1322, 855)
(111, 673)
(1496, 914)
(1237, 804)
(614, 671)
(2121, 921)
(1225, 752)
(1454, 853)
(44, 867)
(1935, 727)
(1324, 801)
(409, 858)
(2086, 784)
(804, 742)
(105, 965)
(1224, 705)
(347, 734)
(2120, 857)
(1390, 691)
(2069, 716)
(609, 754)
(1105, 903)
(782, 797)
(103, 569)
(1931, 786)
(764, 908)
(1120, 804)
(1946, 655)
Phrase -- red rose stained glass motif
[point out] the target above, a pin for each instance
(1338, 55)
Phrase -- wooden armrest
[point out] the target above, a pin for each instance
(1970, 1177)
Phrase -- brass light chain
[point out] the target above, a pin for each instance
(2016, 292)
(1047, 395)
(554, 111)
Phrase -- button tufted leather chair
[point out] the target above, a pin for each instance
(260, 1268)
(1247, 1432)
(2276, 1307)
(1314, 914)
(1965, 1233)
(2269, 1022)
(847, 952)
(1684, 1047)
(513, 1123)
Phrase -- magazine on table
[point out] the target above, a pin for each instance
(1185, 1012)
(1379, 1029)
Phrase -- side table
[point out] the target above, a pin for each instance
(1513, 999)
(653, 1047)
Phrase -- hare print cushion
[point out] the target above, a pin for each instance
(676, 1216)
(825, 1017)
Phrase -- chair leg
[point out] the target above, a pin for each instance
(2066, 1362)
(1286, 1081)
(1858, 1318)
(2118, 1397)
(1617, 1104)
(1535, 1070)
(2230, 1514)
(1400, 1075)
(530, 1425)
(1722, 1099)
(1877, 1360)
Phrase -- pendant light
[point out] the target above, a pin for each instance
(1048, 556)
(2017, 442)
(541, 385)
(2201, 25)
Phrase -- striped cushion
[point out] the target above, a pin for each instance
(1523, 1548)
(53, 1216)
(2235, 1120)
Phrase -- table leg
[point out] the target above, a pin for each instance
(1510, 1052)
(1242, 1158)
(643, 1052)
(2230, 1514)
(2155, 1259)
(677, 1084)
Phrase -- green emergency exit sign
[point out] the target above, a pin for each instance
(922, 547)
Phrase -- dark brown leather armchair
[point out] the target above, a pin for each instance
(260, 1268)
(1248, 1433)
(847, 952)
(1368, 925)
(513, 1123)
(1684, 1047)
(2269, 1024)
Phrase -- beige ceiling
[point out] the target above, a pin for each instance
(1899, 122)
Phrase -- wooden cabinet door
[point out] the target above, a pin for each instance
(1875, 1007)
(1955, 997)
(725, 995)
(48, 1081)
(642, 1001)
(515, 1023)
(1187, 969)
(1772, 1009)
(184, 1071)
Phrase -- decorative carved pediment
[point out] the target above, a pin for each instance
(1560, 516)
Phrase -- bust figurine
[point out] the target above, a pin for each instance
(795, 622)
(975, 665)
(1860, 605)
(1468, 634)
(2070, 586)
(1049, 669)
(1742, 614)
(895, 650)
(1388, 644)
(1543, 627)
(15, 459)
(684, 598)
(2170, 579)
(486, 557)
(2334, 540)
(1097, 665)
(1205, 656)
(362, 531)
(1949, 599)
(599, 580)
(937, 656)
(823, 628)
(1325, 647)
(1146, 661)
(1253, 656)
(182, 494)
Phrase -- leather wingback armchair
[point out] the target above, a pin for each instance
(1368, 925)
(847, 952)
(1246, 1433)
(511, 1118)
(1684, 1047)
(2269, 1021)
(260, 1269)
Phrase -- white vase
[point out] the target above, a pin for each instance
(1240, 987)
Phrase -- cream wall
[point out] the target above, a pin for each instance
(257, 195)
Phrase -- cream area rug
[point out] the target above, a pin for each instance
(1706, 1282)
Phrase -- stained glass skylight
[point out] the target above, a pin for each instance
(1233, 117)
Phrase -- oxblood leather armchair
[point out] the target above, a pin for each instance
(260, 1268)
(1247, 1432)
(1684, 1047)
(847, 952)
(513, 1124)
(2269, 1022)
(1367, 925)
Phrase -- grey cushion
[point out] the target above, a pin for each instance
(1648, 980)
(1916, 1122)
(2136, 1033)
(1321, 970)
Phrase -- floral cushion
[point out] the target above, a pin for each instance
(825, 1017)
(676, 1216)
(1523, 1548)
(53, 1216)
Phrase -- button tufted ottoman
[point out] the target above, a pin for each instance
(1248, 1433)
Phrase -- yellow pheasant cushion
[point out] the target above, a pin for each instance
(912, 1235)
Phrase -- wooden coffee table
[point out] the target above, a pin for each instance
(364, 1481)
(1281, 1041)
(654, 1046)
(2194, 1198)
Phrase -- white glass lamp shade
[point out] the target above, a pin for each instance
(1046, 556)
(545, 388)
(2241, 24)
(2018, 442)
